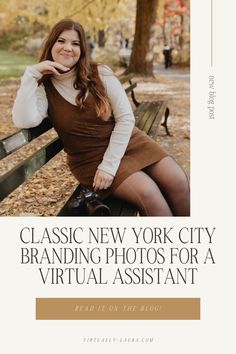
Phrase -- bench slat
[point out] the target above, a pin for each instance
(150, 119)
(143, 114)
(130, 88)
(121, 208)
(138, 112)
(149, 116)
(23, 170)
(125, 78)
(162, 111)
(15, 141)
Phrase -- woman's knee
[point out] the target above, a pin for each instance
(180, 183)
(142, 191)
(169, 175)
(148, 191)
(151, 201)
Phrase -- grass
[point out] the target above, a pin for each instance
(13, 64)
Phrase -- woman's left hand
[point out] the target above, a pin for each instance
(102, 180)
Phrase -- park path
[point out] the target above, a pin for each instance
(173, 71)
(45, 192)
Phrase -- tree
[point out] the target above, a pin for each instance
(141, 60)
(174, 24)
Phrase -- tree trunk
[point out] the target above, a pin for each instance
(141, 60)
(181, 42)
(101, 38)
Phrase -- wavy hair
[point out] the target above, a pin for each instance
(87, 76)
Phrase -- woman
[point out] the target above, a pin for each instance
(91, 113)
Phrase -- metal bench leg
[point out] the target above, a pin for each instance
(164, 124)
(133, 96)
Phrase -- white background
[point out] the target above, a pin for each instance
(213, 204)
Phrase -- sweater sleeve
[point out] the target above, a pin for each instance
(31, 105)
(124, 122)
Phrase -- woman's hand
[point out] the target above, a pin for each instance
(102, 180)
(50, 67)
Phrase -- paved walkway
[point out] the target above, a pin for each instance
(173, 71)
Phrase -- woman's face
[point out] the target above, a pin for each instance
(66, 49)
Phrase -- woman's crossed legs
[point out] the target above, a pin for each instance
(161, 189)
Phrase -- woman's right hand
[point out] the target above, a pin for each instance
(50, 67)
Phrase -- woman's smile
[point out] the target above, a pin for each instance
(66, 50)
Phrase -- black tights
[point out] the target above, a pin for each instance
(161, 189)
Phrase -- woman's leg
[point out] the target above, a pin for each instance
(140, 190)
(173, 183)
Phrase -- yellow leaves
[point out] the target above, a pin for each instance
(92, 14)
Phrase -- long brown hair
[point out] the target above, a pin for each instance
(87, 76)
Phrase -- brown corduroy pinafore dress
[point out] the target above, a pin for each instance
(85, 137)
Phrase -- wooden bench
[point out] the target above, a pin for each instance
(149, 115)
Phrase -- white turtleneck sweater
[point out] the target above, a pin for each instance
(31, 107)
